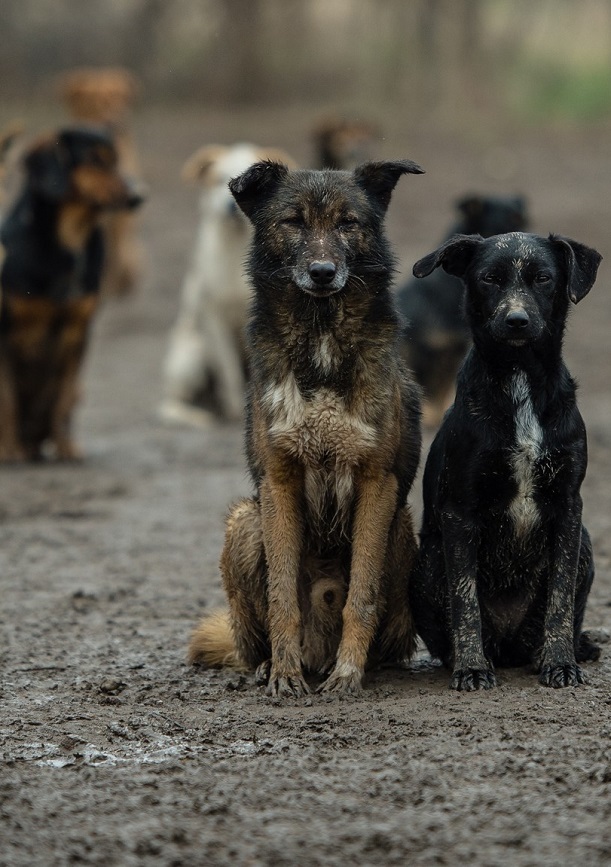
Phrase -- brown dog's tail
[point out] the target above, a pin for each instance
(212, 644)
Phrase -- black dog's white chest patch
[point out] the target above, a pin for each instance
(526, 451)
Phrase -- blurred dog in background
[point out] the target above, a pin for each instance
(104, 96)
(50, 279)
(436, 335)
(8, 136)
(343, 143)
(204, 372)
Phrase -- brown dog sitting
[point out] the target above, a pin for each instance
(104, 96)
(316, 564)
(50, 281)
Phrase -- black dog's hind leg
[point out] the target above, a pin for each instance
(558, 665)
(585, 649)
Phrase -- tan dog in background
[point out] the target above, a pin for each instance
(204, 373)
(104, 96)
(343, 143)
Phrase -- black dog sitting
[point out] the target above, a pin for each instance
(437, 337)
(505, 565)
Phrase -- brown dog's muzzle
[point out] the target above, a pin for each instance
(102, 188)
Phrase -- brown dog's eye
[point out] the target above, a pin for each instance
(101, 158)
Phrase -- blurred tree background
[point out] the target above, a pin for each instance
(531, 59)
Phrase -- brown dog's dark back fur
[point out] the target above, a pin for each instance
(333, 437)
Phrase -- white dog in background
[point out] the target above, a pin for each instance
(205, 371)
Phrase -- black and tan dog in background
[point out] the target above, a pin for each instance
(505, 564)
(50, 280)
(316, 564)
(104, 96)
(436, 336)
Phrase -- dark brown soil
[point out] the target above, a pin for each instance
(116, 753)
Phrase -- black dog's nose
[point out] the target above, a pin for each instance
(517, 319)
(322, 272)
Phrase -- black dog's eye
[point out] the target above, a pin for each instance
(348, 223)
(490, 279)
(293, 220)
(542, 279)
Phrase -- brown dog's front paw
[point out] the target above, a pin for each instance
(286, 686)
(344, 682)
(558, 676)
(470, 679)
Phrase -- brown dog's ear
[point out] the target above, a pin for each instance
(47, 169)
(254, 186)
(379, 179)
(581, 264)
(454, 256)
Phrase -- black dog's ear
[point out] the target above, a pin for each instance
(378, 180)
(581, 264)
(254, 186)
(454, 255)
(46, 166)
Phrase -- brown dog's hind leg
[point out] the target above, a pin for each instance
(396, 636)
(244, 574)
(322, 622)
(238, 638)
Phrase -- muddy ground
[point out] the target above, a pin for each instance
(116, 753)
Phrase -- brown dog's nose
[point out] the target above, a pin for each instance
(136, 193)
(517, 319)
(322, 272)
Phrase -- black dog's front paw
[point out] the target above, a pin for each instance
(558, 676)
(470, 679)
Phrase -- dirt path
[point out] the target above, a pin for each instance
(116, 753)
